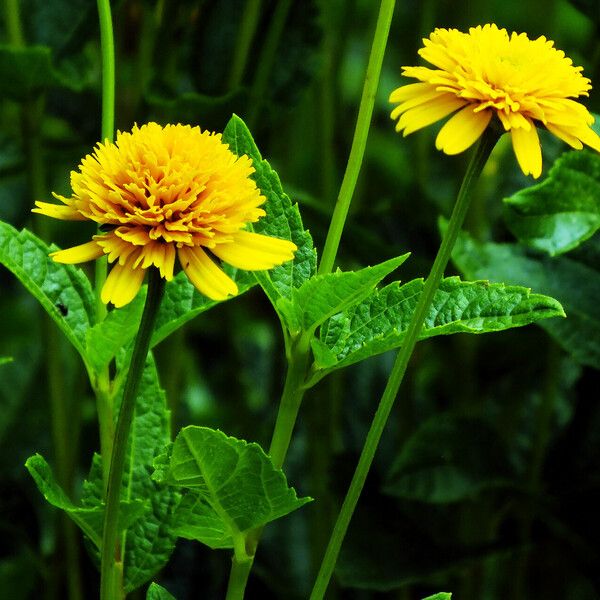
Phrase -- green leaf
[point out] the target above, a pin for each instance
(440, 596)
(149, 541)
(449, 458)
(90, 520)
(562, 211)
(105, 339)
(63, 290)
(182, 302)
(282, 219)
(575, 285)
(25, 72)
(379, 323)
(232, 486)
(5, 360)
(157, 592)
(323, 296)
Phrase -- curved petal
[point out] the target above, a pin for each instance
(565, 136)
(78, 254)
(58, 211)
(589, 137)
(428, 113)
(122, 284)
(206, 276)
(462, 130)
(528, 151)
(254, 252)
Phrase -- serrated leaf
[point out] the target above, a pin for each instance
(63, 290)
(574, 284)
(90, 520)
(449, 458)
(323, 296)
(282, 219)
(562, 211)
(105, 339)
(149, 541)
(157, 592)
(440, 596)
(230, 478)
(379, 323)
(182, 302)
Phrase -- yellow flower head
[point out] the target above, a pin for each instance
(159, 192)
(486, 72)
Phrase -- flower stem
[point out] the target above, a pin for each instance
(478, 160)
(238, 577)
(107, 44)
(361, 132)
(112, 557)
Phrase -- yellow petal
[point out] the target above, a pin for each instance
(589, 137)
(411, 90)
(428, 113)
(78, 254)
(206, 276)
(528, 151)
(565, 136)
(254, 252)
(58, 211)
(462, 130)
(122, 284)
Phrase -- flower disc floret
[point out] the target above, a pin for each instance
(485, 73)
(164, 192)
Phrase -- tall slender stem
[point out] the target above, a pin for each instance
(361, 132)
(112, 558)
(478, 160)
(107, 44)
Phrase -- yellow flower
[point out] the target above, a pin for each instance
(486, 72)
(159, 192)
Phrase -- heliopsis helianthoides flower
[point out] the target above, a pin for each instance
(487, 72)
(159, 192)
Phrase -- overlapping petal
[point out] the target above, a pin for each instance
(488, 73)
(161, 193)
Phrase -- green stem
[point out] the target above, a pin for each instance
(13, 23)
(238, 577)
(361, 133)
(482, 152)
(112, 558)
(244, 41)
(107, 44)
(267, 59)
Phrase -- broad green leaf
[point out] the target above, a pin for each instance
(379, 323)
(323, 296)
(449, 458)
(562, 211)
(440, 596)
(63, 290)
(5, 360)
(282, 219)
(575, 285)
(182, 302)
(149, 541)
(25, 72)
(234, 487)
(157, 592)
(90, 520)
(105, 339)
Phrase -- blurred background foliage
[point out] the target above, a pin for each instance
(487, 482)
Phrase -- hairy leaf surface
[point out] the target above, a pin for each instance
(63, 290)
(232, 486)
(379, 323)
(323, 296)
(573, 283)
(282, 219)
(562, 211)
